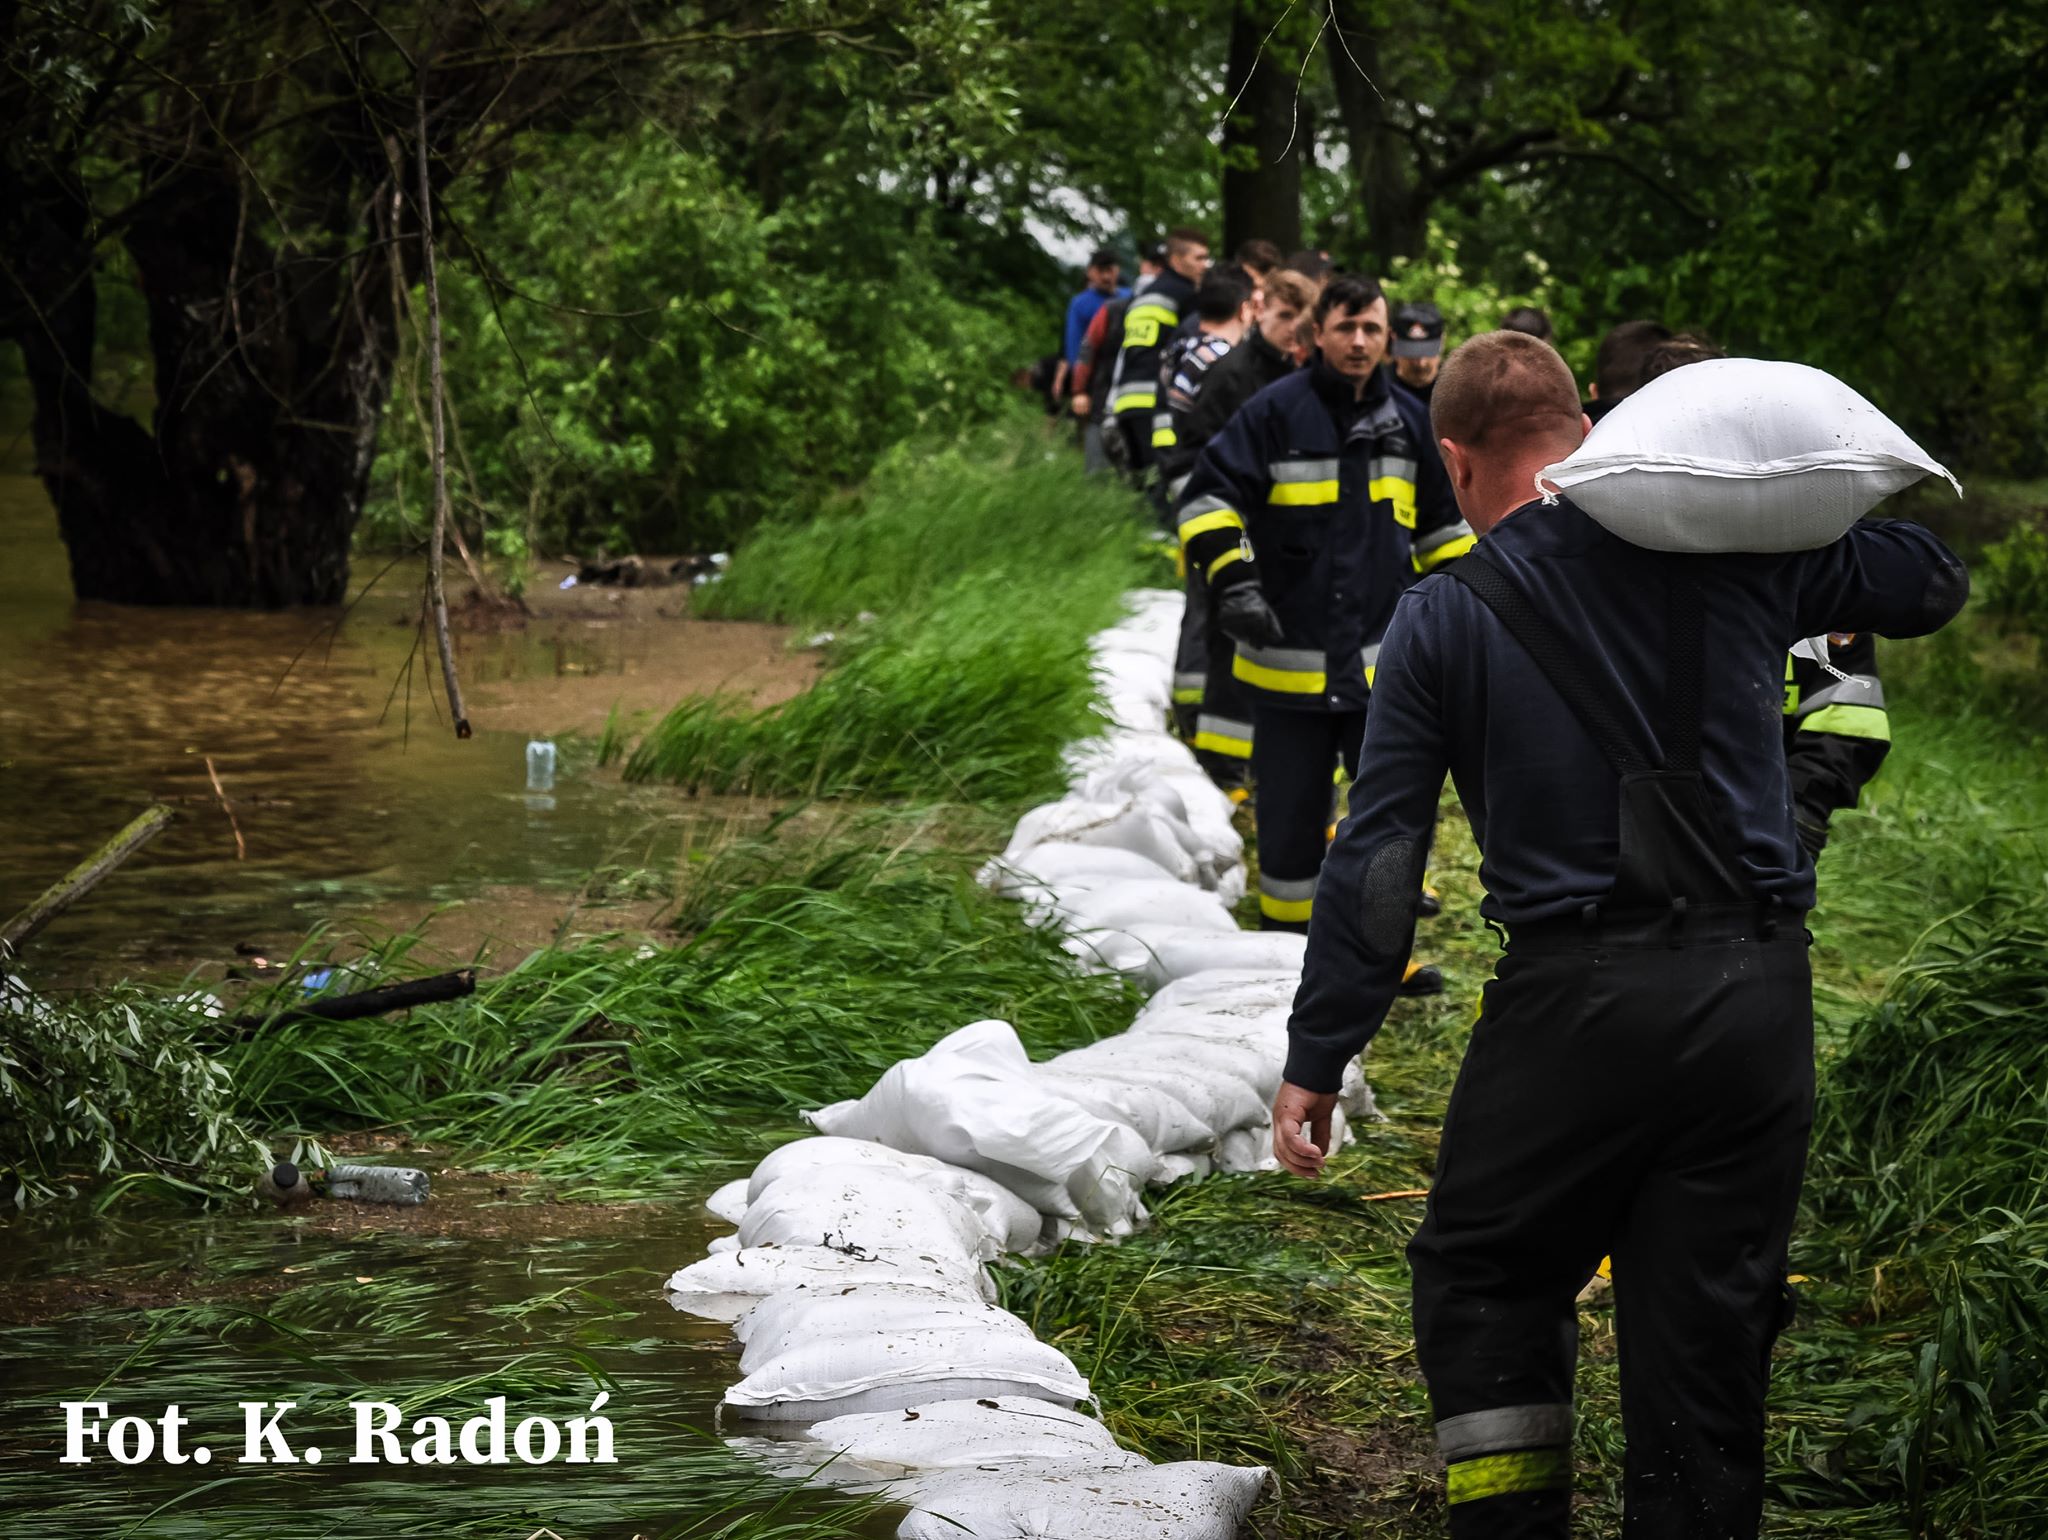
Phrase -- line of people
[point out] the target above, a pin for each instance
(1278, 418)
(1288, 424)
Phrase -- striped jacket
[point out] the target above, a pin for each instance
(1150, 321)
(1332, 506)
(1836, 731)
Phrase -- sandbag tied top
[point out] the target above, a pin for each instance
(1739, 455)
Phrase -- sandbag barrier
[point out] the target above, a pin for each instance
(857, 1279)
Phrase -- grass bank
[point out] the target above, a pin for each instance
(963, 583)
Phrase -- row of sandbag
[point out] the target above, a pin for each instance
(857, 1278)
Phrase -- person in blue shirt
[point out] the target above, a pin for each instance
(1103, 270)
(1639, 1083)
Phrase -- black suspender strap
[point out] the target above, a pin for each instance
(1556, 659)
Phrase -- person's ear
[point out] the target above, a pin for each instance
(1456, 465)
(1593, 391)
(1585, 426)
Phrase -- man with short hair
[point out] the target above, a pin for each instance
(1640, 1081)
(1150, 321)
(1223, 724)
(1618, 367)
(1528, 320)
(1103, 270)
(1418, 346)
(1258, 258)
(1307, 516)
(1104, 448)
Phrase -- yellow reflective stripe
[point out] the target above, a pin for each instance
(1187, 697)
(1223, 743)
(1850, 722)
(1202, 523)
(1302, 494)
(1289, 911)
(1450, 550)
(1135, 401)
(1399, 491)
(1163, 438)
(1286, 681)
(1497, 1475)
(1169, 315)
(1235, 553)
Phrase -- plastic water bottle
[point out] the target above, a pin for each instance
(540, 765)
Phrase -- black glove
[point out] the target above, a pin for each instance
(1243, 615)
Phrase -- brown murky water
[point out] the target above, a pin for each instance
(351, 794)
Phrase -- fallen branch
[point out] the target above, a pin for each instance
(241, 849)
(81, 880)
(1388, 1197)
(375, 1002)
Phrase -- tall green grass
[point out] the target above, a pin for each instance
(809, 964)
(986, 565)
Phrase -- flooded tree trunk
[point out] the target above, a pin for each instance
(271, 366)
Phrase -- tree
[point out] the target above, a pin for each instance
(1263, 142)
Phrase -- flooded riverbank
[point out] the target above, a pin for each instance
(351, 796)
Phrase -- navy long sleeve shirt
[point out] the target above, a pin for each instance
(1455, 692)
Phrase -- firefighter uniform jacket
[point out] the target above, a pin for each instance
(1836, 730)
(1150, 322)
(1332, 505)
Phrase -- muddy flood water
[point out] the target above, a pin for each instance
(356, 807)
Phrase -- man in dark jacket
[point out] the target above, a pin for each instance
(1640, 1081)
(1150, 321)
(1307, 516)
(1222, 738)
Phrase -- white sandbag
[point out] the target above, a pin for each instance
(1188, 952)
(729, 1203)
(825, 1154)
(1154, 746)
(1108, 951)
(1232, 991)
(840, 1376)
(865, 1209)
(782, 1322)
(1182, 1165)
(1126, 825)
(1163, 1121)
(1058, 863)
(1187, 1501)
(723, 1245)
(1010, 1222)
(1264, 1032)
(1123, 904)
(1740, 454)
(973, 1099)
(723, 1288)
(981, 1434)
(1167, 1055)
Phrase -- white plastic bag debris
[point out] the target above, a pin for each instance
(1189, 952)
(840, 1376)
(1123, 904)
(1188, 1501)
(783, 1321)
(948, 1435)
(1124, 825)
(1740, 454)
(722, 1288)
(1011, 1222)
(729, 1203)
(1058, 864)
(973, 1099)
(865, 1209)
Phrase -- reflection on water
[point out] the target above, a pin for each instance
(438, 1309)
(349, 789)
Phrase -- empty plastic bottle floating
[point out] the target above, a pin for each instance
(288, 1186)
(540, 765)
